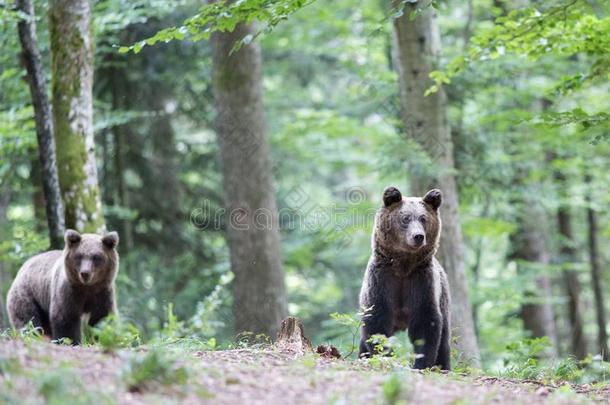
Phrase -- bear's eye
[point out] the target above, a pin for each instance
(78, 257)
(423, 219)
(404, 220)
(97, 259)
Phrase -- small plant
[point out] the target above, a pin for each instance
(391, 389)
(9, 366)
(353, 322)
(381, 345)
(526, 360)
(29, 333)
(524, 357)
(154, 367)
(112, 334)
(63, 386)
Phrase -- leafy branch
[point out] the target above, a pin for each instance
(224, 17)
(562, 30)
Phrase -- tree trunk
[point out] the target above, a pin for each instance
(417, 44)
(72, 69)
(165, 169)
(5, 199)
(596, 277)
(530, 250)
(253, 230)
(120, 151)
(44, 124)
(578, 341)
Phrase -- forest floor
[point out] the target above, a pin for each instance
(41, 372)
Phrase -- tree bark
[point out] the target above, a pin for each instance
(5, 199)
(596, 277)
(72, 69)
(44, 124)
(291, 338)
(571, 281)
(120, 150)
(253, 230)
(529, 247)
(417, 48)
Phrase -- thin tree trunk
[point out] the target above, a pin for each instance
(571, 281)
(120, 150)
(417, 45)
(5, 199)
(596, 277)
(44, 124)
(165, 166)
(253, 234)
(72, 68)
(530, 250)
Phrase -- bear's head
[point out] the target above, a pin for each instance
(409, 225)
(91, 259)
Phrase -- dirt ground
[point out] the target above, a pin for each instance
(38, 372)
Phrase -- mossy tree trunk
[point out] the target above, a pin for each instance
(72, 71)
(252, 228)
(44, 171)
(417, 49)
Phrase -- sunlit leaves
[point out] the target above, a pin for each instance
(224, 17)
(562, 30)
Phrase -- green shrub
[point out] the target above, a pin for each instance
(143, 371)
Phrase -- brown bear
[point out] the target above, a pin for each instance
(404, 285)
(55, 289)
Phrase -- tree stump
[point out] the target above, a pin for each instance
(291, 337)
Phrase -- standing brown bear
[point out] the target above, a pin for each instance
(55, 289)
(404, 285)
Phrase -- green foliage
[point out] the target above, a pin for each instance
(112, 334)
(524, 358)
(562, 30)
(527, 359)
(392, 389)
(144, 371)
(353, 322)
(63, 386)
(223, 17)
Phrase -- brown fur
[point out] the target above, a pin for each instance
(55, 289)
(404, 285)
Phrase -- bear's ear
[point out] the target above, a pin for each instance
(391, 195)
(72, 237)
(110, 240)
(434, 198)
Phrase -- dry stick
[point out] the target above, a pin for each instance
(44, 124)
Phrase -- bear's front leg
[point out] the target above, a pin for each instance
(425, 334)
(102, 305)
(65, 323)
(377, 320)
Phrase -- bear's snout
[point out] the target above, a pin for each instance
(416, 240)
(86, 271)
(85, 276)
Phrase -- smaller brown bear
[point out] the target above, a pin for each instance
(55, 289)
(404, 285)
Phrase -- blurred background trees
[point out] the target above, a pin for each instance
(333, 99)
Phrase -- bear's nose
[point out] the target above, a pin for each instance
(85, 275)
(418, 238)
